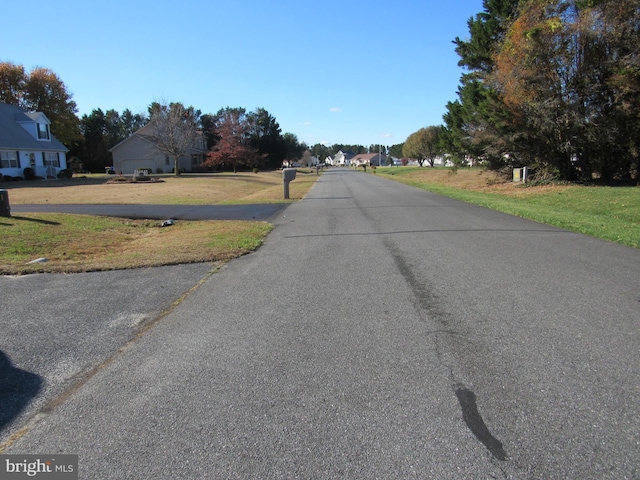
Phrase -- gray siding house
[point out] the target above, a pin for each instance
(139, 151)
(26, 140)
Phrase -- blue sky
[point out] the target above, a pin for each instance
(348, 71)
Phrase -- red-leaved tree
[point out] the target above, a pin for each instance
(232, 127)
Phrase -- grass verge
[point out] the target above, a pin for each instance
(609, 213)
(79, 243)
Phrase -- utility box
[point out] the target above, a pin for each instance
(520, 175)
(5, 208)
(288, 174)
(517, 175)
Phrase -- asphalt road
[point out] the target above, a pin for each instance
(380, 332)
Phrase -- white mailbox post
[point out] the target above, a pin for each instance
(288, 174)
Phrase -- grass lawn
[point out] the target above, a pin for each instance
(77, 243)
(609, 213)
(194, 189)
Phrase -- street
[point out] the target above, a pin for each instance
(380, 332)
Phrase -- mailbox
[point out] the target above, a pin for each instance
(5, 209)
(289, 174)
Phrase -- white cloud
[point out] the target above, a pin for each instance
(335, 109)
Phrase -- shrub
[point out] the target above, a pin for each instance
(29, 173)
(119, 179)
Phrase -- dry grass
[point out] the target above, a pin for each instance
(219, 188)
(473, 179)
(78, 243)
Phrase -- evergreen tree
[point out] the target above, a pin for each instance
(476, 123)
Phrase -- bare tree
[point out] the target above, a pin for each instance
(175, 130)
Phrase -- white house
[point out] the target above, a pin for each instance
(26, 141)
(139, 151)
(341, 158)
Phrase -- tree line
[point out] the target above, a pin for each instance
(549, 84)
(235, 138)
(552, 84)
(90, 137)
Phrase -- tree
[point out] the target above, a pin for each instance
(266, 138)
(306, 158)
(396, 150)
(12, 83)
(101, 131)
(175, 130)
(41, 90)
(208, 128)
(320, 151)
(94, 149)
(131, 123)
(424, 145)
(357, 149)
(554, 84)
(45, 92)
(378, 148)
(566, 71)
(477, 123)
(232, 130)
(295, 149)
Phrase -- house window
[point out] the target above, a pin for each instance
(51, 159)
(9, 159)
(43, 131)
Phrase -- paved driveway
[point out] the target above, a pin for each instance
(257, 212)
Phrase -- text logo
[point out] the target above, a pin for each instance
(49, 467)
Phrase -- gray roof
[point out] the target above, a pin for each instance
(13, 136)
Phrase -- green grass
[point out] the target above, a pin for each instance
(609, 213)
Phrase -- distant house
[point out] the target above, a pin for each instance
(369, 159)
(341, 158)
(26, 141)
(139, 151)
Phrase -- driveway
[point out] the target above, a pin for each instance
(255, 212)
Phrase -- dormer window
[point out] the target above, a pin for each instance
(43, 131)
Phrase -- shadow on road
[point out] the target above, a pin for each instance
(17, 389)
